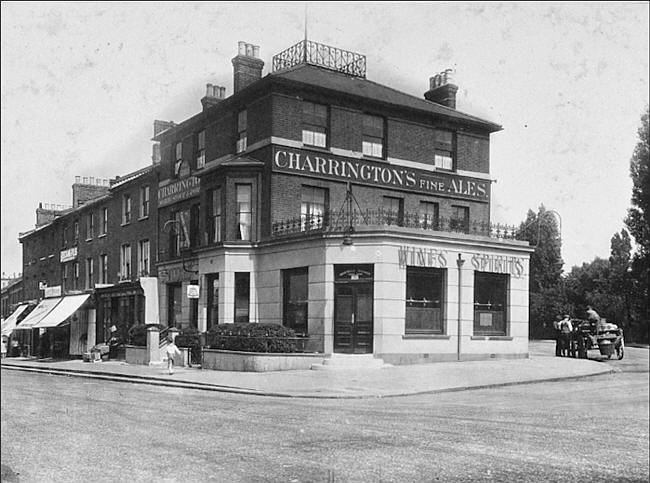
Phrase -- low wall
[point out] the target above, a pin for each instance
(138, 355)
(222, 360)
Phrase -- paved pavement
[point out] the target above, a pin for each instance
(340, 383)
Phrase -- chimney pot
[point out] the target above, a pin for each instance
(256, 51)
(242, 48)
(247, 68)
(222, 92)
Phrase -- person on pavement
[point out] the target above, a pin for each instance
(172, 351)
(566, 328)
(558, 336)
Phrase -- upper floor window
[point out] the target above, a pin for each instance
(103, 224)
(312, 207)
(144, 201)
(460, 218)
(90, 225)
(90, 269)
(314, 124)
(200, 150)
(178, 158)
(244, 211)
(143, 258)
(214, 215)
(125, 261)
(444, 155)
(393, 210)
(428, 215)
(75, 275)
(180, 238)
(64, 237)
(373, 136)
(75, 232)
(126, 209)
(195, 216)
(103, 269)
(242, 128)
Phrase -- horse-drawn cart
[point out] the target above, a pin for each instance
(607, 338)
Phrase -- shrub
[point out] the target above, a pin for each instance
(249, 337)
(138, 334)
(191, 339)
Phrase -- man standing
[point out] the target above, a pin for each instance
(566, 328)
(558, 336)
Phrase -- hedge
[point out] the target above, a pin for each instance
(191, 339)
(251, 337)
(138, 334)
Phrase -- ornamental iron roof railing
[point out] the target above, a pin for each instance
(308, 52)
(380, 218)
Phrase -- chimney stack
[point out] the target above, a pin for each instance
(442, 89)
(158, 127)
(247, 66)
(213, 95)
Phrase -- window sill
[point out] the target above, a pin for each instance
(102, 235)
(89, 240)
(491, 337)
(125, 224)
(143, 218)
(426, 336)
(316, 148)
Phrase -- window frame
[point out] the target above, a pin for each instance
(314, 125)
(214, 215)
(200, 149)
(373, 136)
(389, 214)
(240, 213)
(125, 261)
(103, 268)
(301, 306)
(103, 226)
(492, 282)
(90, 273)
(241, 295)
(457, 224)
(444, 150)
(145, 193)
(421, 309)
(242, 131)
(312, 214)
(126, 209)
(425, 220)
(90, 225)
(144, 263)
(178, 158)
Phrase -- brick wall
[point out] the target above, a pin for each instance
(83, 193)
(473, 153)
(287, 117)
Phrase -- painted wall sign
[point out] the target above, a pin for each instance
(421, 257)
(178, 191)
(513, 266)
(362, 171)
(52, 291)
(69, 254)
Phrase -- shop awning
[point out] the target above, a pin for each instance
(44, 307)
(62, 311)
(9, 325)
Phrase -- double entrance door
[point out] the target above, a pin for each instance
(353, 301)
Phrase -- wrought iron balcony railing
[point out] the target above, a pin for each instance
(308, 52)
(326, 223)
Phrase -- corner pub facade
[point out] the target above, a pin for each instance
(351, 212)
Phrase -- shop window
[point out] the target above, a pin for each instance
(242, 131)
(214, 215)
(212, 282)
(103, 225)
(425, 289)
(126, 209)
(125, 262)
(200, 150)
(242, 297)
(393, 210)
(143, 258)
(244, 211)
(144, 201)
(373, 136)
(490, 303)
(90, 273)
(313, 207)
(90, 226)
(174, 304)
(314, 124)
(295, 299)
(178, 159)
(444, 155)
(103, 269)
(428, 215)
(459, 219)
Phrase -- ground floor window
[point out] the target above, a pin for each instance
(295, 284)
(174, 304)
(242, 296)
(490, 303)
(213, 299)
(425, 289)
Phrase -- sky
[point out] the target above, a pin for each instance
(82, 83)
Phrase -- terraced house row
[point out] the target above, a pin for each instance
(312, 197)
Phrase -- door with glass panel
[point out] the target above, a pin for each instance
(353, 314)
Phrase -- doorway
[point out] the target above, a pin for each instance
(353, 314)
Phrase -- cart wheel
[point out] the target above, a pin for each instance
(620, 351)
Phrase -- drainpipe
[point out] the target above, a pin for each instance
(459, 263)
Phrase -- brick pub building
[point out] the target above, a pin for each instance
(354, 213)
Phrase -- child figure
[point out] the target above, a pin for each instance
(172, 351)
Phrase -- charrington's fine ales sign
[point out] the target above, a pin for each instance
(362, 171)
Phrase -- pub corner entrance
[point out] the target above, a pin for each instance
(353, 303)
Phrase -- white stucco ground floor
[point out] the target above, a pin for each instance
(404, 297)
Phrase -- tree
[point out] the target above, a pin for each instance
(620, 281)
(545, 279)
(638, 222)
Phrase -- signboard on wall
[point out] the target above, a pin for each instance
(178, 191)
(376, 173)
(69, 254)
(52, 291)
(192, 291)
